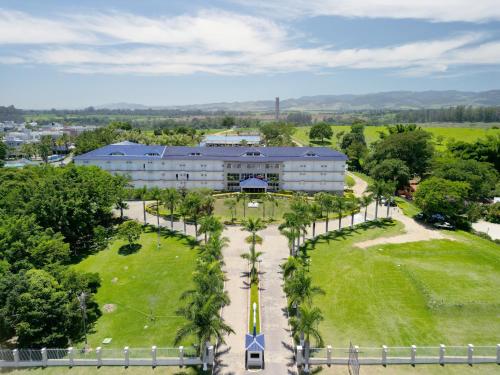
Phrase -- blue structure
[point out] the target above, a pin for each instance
(254, 349)
(253, 185)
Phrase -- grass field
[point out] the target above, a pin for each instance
(423, 293)
(254, 297)
(143, 288)
(467, 134)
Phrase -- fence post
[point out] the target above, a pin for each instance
(470, 353)
(181, 356)
(413, 354)
(210, 354)
(126, 352)
(384, 355)
(153, 356)
(329, 355)
(498, 354)
(442, 350)
(98, 354)
(71, 356)
(15, 353)
(299, 358)
(43, 351)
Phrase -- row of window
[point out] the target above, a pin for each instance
(252, 166)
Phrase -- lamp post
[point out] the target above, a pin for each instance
(83, 306)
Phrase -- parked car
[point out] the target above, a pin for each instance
(444, 225)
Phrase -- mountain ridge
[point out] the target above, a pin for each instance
(390, 100)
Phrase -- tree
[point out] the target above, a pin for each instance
(143, 193)
(243, 197)
(231, 205)
(379, 189)
(299, 288)
(42, 311)
(352, 207)
(273, 201)
(325, 200)
(44, 147)
(228, 122)
(315, 214)
(3, 153)
(440, 196)
(277, 134)
(170, 198)
(129, 231)
(483, 150)
(307, 325)
(339, 205)
(291, 266)
(194, 202)
(365, 201)
(291, 229)
(210, 225)
(394, 170)
(414, 148)
(253, 226)
(481, 177)
(321, 131)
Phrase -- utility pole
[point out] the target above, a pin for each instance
(82, 297)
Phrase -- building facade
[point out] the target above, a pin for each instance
(307, 169)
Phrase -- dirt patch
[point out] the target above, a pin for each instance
(109, 307)
(114, 280)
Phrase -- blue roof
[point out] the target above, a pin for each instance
(129, 150)
(255, 344)
(253, 183)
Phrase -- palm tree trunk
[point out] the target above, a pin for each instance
(376, 208)
(144, 210)
(244, 208)
(314, 229)
(352, 219)
(206, 240)
(184, 221)
(121, 213)
(172, 217)
(388, 207)
(366, 211)
(340, 220)
(306, 355)
(327, 218)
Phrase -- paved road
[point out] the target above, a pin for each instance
(492, 229)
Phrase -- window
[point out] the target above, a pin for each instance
(85, 162)
(233, 176)
(273, 176)
(323, 166)
(310, 153)
(152, 154)
(277, 166)
(117, 153)
(253, 153)
(203, 165)
(182, 165)
(255, 355)
(238, 166)
(176, 176)
(195, 154)
(129, 162)
(228, 165)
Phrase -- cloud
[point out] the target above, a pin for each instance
(213, 42)
(477, 11)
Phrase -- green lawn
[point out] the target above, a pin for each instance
(144, 290)
(408, 208)
(423, 293)
(254, 297)
(465, 133)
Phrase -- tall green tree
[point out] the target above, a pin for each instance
(210, 225)
(129, 231)
(380, 189)
(307, 325)
(170, 198)
(321, 131)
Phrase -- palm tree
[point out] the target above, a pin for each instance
(170, 198)
(352, 206)
(274, 203)
(326, 202)
(142, 193)
(203, 321)
(213, 249)
(340, 205)
(193, 201)
(291, 228)
(365, 201)
(315, 214)
(231, 204)
(299, 288)
(121, 205)
(184, 212)
(210, 224)
(300, 208)
(243, 197)
(253, 226)
(307, 325)
(291, 265)
(378, 190)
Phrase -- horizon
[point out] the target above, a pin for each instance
(64, 55)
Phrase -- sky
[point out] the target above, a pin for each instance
(74, 54)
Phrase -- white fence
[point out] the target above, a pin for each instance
(412, 355)
(106, 357)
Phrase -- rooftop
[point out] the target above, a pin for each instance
(131, 151)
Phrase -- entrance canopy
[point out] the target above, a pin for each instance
(253, 184)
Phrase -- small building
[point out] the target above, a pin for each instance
(231, 140)
(254, 351)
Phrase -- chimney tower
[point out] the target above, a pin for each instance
(277, 109)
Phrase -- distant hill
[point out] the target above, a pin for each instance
(381, 100)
